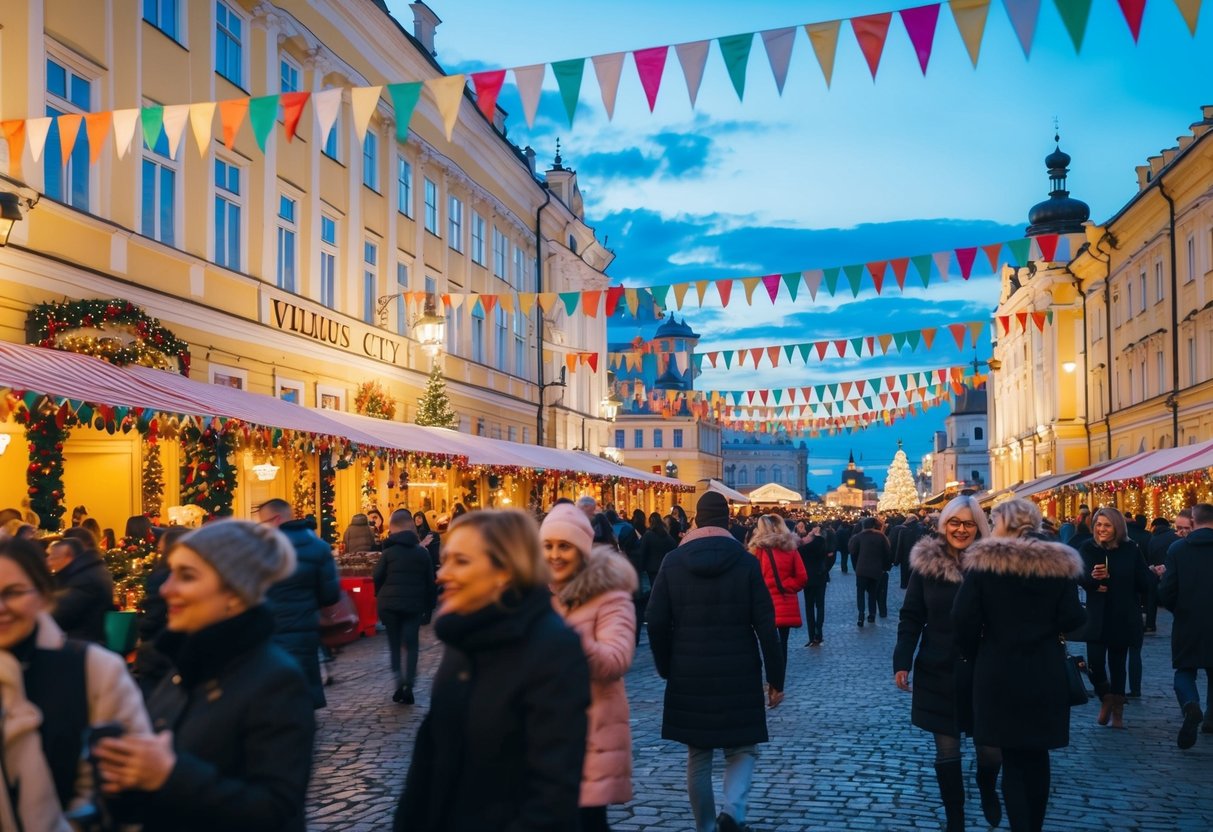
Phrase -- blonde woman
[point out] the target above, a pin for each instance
(782, 570)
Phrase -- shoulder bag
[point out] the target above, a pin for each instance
(775, 572)
(1076, 668)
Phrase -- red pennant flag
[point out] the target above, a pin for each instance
(771, 281)
(773, 355)
(958, 332)
(592, 360)
(876, 268)
(870, 343)
(725, 289)
(487, 302)
(846, 389)
(763, 395)
(292, 110)
(965, 257)
(488, 86)
(841, 346)
(821, 347)
(928, 337)
(1022, 317)
(992, 252)
(756, 354)
(613, 294)
(1048, 246)
(871, 31)
(1133, 10)
(711, 356)
(750, 394)
(896, 397)
(900, 266)
(1005, 320)
(650, 63)
(589, 302)
(1038, 318)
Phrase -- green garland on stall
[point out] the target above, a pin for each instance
(328, 503)
(130, 564)
(303, 496)
(50, 324)
(46, 432)
(208, 478)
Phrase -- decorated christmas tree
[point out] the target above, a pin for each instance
(207, 477)
(153, 479)
(434, 408)
(900, 493)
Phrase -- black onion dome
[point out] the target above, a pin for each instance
(1060, 213)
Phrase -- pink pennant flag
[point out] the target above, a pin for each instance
(1133, 10)
(778, 43)
(920, 26)
(1023, 15)
(771, 282)
(650, 63)
(965, 258)
(488, 86)
(529, 80)
(693, 57)
(607, 68)
(943, 260)
(871, 31)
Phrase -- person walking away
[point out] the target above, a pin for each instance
(842, 536)
(712, 632)
(503, 744)
(1114, 576)
(359, 536)
(592, 590)
(236, 725)
(1017, 594)
(1186, 589)
(818, 558)
(1161, 538)
(405, 594)
(872, 558)
(295, 602)
(84, 590)
(911, 532)
(654, 546)
(783, 573)
(941, 701)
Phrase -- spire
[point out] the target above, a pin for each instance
(851, 460)
(558, 163)
(1060, 213)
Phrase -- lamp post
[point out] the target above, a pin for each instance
(13, 205)
(543, 386)
(429, 328)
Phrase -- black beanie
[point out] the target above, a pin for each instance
(712, 510)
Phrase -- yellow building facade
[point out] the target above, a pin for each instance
(283, 268)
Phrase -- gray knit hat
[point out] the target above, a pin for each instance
(249, 558)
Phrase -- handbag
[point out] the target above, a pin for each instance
(339, 622)
(775, 572)
(1076, 668)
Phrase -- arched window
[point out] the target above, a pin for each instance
(776, 474)
(760, 474)
(743, 476)
(978, 433)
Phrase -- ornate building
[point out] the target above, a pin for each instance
(753, 460)
(856, 490)
(961, 459)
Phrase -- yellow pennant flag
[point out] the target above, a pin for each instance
(750, 284)
(680, 292)
(448, 92)
(506, 302)
(970, 17)
(547, 300)
(570, 361)
(202, 120)
(631, 297)
(701, 288)
(526, 302)
(824, 37)
(1190, 9)
(363, 101)
(884, 341)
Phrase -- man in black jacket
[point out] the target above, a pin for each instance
(873, 558)
(84, 590)
(1156, 555)
(406, 594)
(911, 532)
(842, 539)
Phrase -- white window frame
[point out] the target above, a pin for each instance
(477, 325)
(1129, 299)
(370, 277)
(179, 35)
(477, 239)
(404, 186)
(1192, 377)
(287, 236)
(159, 161)
(519, 273)
(370, 160)
(329, 250)
(330, 391)
(282, 384)
(285, 60)
(240, 201)
(213, 371)
(402, 286)
(1161, 363)
(73, 64)
(454, 221)
(501, 339)
(520, 362)
(333, 141)
(1160, 291)
(1141, 290)
(245, 26)
(501, 247)
(431, 207)
(1191, 259)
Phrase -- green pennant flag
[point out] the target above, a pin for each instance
(728, 358)
(922, 263)
(789, 350)
(820, 390)
(262, 113)
(792, 281)
(152, 121)
(857, 345)
(1075, 13)
(276, 437)
(736, 52)
(1049, 315)
(568, 77)
(803, 349)
(913, 337)
(899, 341)
(833, 388)
(570, 299)
(697, 360)
(404, 100)
(1020, 249)
(867, 400)
(830, 277)
(854, 276)
(84, 413)
(659, 295)
(904, 378)
(778, 394)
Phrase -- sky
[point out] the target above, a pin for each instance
(818, 177)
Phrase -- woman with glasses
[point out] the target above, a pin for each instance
(1018, 594)
(925, 642)
(1115, 576)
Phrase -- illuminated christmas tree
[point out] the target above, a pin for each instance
(153, 479)
(434, 408)
(900, 493)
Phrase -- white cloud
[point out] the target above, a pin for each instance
(699, 256)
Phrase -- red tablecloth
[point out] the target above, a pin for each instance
(362, 590)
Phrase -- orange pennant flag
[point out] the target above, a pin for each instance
(958, 333)
(992, 252)
(231, 116)
(526, 302)
(750, 284)
(570, 361)
(292, 110)
(547, 300)
(701, 288)
(773, 355)
(756, 354)
(928, 337)
(97, 127)
(975, 330)
(1038, 318)
(885, 341)
(487, 302)
(14, 134)
(590, 302)
(69, 128)
(1022, 318)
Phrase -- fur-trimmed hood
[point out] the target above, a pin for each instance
(930, 558)
(1023, 556)
(605, 570)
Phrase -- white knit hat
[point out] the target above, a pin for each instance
(249, 558)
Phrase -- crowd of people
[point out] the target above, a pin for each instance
(210, 724)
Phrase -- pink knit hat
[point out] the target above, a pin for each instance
(567, 522)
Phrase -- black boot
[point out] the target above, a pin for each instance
(952, 792)
(398, 696)
(1187, 731)
(987, 780)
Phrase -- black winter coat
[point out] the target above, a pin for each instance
(654, 546)
(1160, 543)
(709, 615)
(842, 538)
(1114, 616)
(84, 594)
(404, 576)
(910, 534)
(242, 723)
(1017, 597)
(818, 561)
(926, 627)
(504, 741)
(871, 554)
(1187, 590)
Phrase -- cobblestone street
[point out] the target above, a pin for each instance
(843, 755)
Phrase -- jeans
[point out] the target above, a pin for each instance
(1185, 685)
(738, 773)
(869, 587)
(1101, 658)
(402, 627)
(815, 610)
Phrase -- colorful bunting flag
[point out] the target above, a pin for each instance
(778, 44)
(970, 17)
(529, 80)
(920, 26)
(568, 79)
(650, 63)
(871, 31)
(607, 69)
(824, 39)
(1075, 14)
(1190, 9)
(36, 131)
(405, 96)
(363, 101)
(487, 85)
(292, 111)
(1023, 15)
(231, 116)
(262, 114)
(448, 93)
(736, 52)
(1133, 10)
(96, 128)
(327, 104)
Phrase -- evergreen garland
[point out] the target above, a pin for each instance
(207, 476)
(434, 408)
(153, 478)
(303, 493)
(52, 324)
(328, 503)
(46, 431)
(130, 563)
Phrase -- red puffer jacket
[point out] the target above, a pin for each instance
(792, 578)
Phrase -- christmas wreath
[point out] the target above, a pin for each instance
(114, 330)
(372, 400)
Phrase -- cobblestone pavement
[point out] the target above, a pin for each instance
(843, 754)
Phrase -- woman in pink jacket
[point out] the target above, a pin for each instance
(592, 588)
(783, 570)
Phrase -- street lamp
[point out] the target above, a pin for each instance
(429, 328)
(11, 213)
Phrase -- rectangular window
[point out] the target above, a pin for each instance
(159, 197)
(1129, 300)
(229, 43)
(519, 267)
(1144, 386)
(1191, 362)
(404, 186)
(477, 239)
(677, 437)
(163, 15)
(1141, 292)
(619, 434)
(402, 286)
(330, 148)
(478, 334)
(1191, 259)
(328, 261)
(287, 247)
(1159, 290)
(501, 359)
(370, 161)
(513, 433)
(638, 438)
(658, 438)
(370, 280)
(67, 180)
(520, 363)
(454, 222)
(228, 205)
(288, 76)
(431, 207)
(1158, 360)
(500, 245)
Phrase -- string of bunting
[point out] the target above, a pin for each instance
(889, 386)
(262, 112)
(831, 425)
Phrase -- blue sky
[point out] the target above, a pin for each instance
(823, 177)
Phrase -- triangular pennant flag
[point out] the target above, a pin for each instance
(590, 301)
(821, 347)
(970, 17)
(1022, 319)
(725, 289)
(448, 92)
(728, 359)
(789, 352)
(14, 134)
(150, 118)
(803, 349)
(659, 294)
(487, 85)
(899, 341)
(568, 79)
(840, 346)
(877, 268)
(854, 275)
(529, 80)
(591, 358)
(701, 288)
(1038, 318)
(570, 361)
(327, 104)
(547, 300)
(736, 52)
(1021, 250)
(404, 101)
(885, 342)
(292, 111)
(613, 294)
(1048, 246)
(750, 284)
(680, 292)
(570, 300)
(824, 39)
(363, 100)
(97, 127)
(175, 118)
(650, 63)
(1005, 320)
(942, 260)
(922, 264)
(779, 43)
(791, 281)
(231, 116)
(992, 252)
(693, 57)
(36, 130)
(1023, 15)
(607, 69)
(928, 337)
(812, 281)
(831, 279)
(487, 302)
(526, 302)
(1075, 14)
(965, 258)
(771, 282)
(920, 26)
(262, 113)
(857, 346)
(507, 302)
(1049, 315)
(773, 356)
(958, 334)
(202, 120)
(913, 339)
(871, 31)
(900, 266)
(1190, 9)
(1133, 10)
